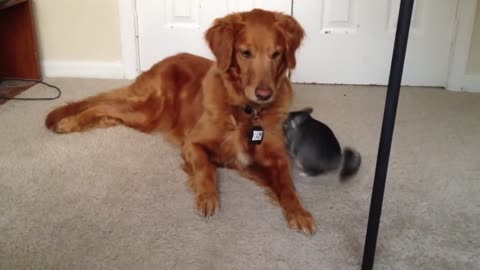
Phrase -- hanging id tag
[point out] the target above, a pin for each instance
(256, 135)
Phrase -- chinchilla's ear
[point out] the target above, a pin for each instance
(308, 110)
(298, 117)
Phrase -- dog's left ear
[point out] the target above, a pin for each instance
(220, 37)
(293, 34)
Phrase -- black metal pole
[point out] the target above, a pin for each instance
(389, 114)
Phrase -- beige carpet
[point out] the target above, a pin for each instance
(116, 198)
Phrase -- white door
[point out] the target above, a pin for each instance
(351, 41)
(166, 27)
(348, 41)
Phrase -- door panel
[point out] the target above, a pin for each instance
(351, 41)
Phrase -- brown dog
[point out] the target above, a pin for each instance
(210, 108)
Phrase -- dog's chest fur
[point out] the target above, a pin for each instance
(235, 149)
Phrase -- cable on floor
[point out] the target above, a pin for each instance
(59, 92)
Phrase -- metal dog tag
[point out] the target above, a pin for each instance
(256, 135)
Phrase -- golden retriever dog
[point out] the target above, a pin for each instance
(227, 113)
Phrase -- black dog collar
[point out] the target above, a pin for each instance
(250, 110)
(256, 132)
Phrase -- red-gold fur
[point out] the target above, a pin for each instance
(199, 104)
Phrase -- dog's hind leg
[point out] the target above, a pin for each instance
(103, 115)
(108, 109)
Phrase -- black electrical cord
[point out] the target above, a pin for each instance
(59, 92)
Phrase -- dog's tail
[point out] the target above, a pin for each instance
(351, 162)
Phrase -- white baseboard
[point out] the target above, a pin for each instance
(472, 83)
(83, 69)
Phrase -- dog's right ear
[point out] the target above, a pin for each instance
(220, 37)
(293, 34)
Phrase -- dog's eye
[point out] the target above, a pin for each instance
(246, 53)
(275, 55)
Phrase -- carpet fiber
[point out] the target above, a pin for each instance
(116, 198)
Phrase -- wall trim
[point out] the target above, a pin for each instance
(461, 41)
(83, 69)
(472, 83)
(129, 38)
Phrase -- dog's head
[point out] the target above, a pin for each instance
(256, 49)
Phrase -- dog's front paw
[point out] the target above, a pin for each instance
(207, 204)
(68, 124)
(301, 220)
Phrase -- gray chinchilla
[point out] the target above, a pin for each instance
(314, 147)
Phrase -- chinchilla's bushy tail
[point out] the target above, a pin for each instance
(351, 162)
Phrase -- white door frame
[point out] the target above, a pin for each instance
(460, 51)
(129, 38)
(457, 79)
